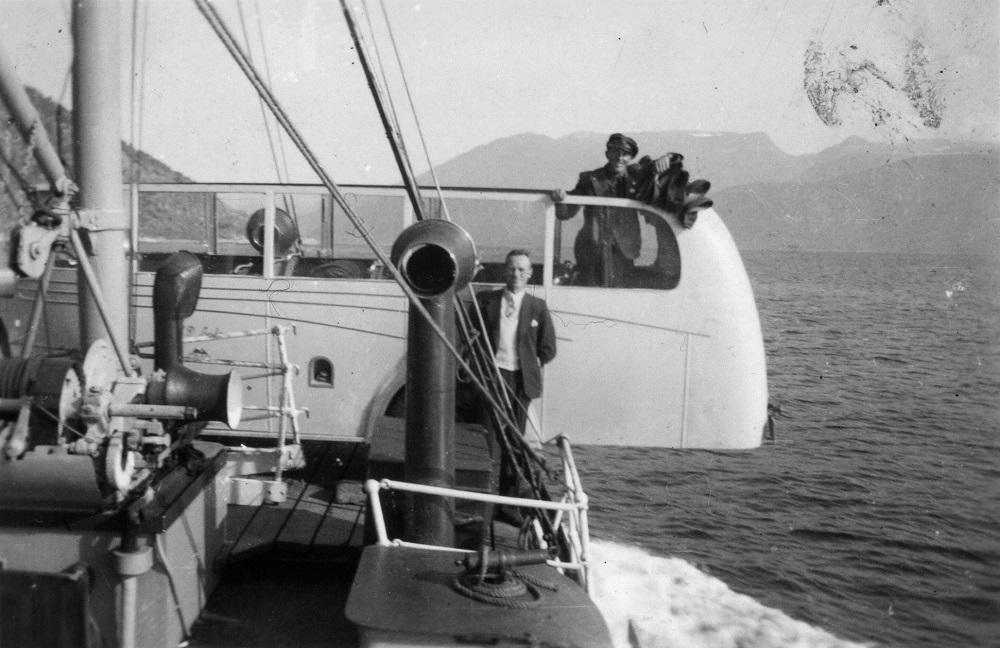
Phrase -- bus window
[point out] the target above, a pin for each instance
(497, 227)
(381, 217)
(657, 265)
(174, 221)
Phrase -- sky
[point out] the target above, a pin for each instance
(477, 71)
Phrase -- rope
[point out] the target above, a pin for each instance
(280, 168)
(398, 150)
(264, 91)
(413, 111)
(215, 21)
(509, 592)
(391, 113)
(536, 581)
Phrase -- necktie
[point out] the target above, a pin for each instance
(508, 302)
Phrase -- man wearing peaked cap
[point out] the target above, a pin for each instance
(609, 241)
(623, 142)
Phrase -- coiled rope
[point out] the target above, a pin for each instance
(508, 592)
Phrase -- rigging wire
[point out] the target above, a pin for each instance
(282, 177)
(61, 100)
(409, 181)
(260, 102)
(137, 96)
(289, 200)
(386, 96)
(136, 84)
(219, 26)
(501, 392)
(280, 167)
(60, 115)
(267, 72)
(413, 110)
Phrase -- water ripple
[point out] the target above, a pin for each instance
(873, 514)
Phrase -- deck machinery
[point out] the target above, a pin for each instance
(100, 467)
(113, 512)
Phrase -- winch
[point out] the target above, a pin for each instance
(82, 435)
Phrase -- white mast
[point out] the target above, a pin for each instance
(98, 168)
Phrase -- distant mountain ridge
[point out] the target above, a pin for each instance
(18, 169)
(930, 196)
(935, 196)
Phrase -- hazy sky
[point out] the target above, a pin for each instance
(482, 70)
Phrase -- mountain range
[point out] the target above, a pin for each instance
(18, 170)
(927, 196)
(924, 196)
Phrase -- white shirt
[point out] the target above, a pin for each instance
(507, 338)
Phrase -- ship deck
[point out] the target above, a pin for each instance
(287, 568)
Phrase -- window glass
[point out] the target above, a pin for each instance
(169, 222)
(175, 217)
(498, 226)
(211, 225)
(313, 236)
(379, 215)
(582, 261)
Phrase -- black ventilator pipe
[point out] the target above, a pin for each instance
(436, 258)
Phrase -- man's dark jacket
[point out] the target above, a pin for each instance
(622, 225)
(535, 337)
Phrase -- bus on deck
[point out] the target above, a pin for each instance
(672, 357)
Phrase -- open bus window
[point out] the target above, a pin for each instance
(313, 238)
(497, 227)
(658, 265)
(211, 225)
(380, 218)
(172, 221)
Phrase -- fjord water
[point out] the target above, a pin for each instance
(874, 514)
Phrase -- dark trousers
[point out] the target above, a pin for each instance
(519, 400)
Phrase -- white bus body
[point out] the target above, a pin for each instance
(678, 362)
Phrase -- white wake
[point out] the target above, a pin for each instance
(671, 604)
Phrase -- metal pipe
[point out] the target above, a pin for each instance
(97, 130)
(435, 258)
(175, 297)
(131, 560)
(144, 410)
(395, 139)
(130, 601)
(38, 306)
(479, 497)
(16, 99)
(375, 509)
(98, 304)
(176, 287)
(430, 423)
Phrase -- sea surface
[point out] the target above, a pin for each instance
(875, 513)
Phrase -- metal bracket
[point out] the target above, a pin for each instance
(98, 220)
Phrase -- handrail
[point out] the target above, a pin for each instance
(574, 502)
(471, 495)
(512, 194)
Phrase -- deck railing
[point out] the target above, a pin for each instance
(573, 505)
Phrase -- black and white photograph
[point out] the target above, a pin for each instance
(562, 324)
